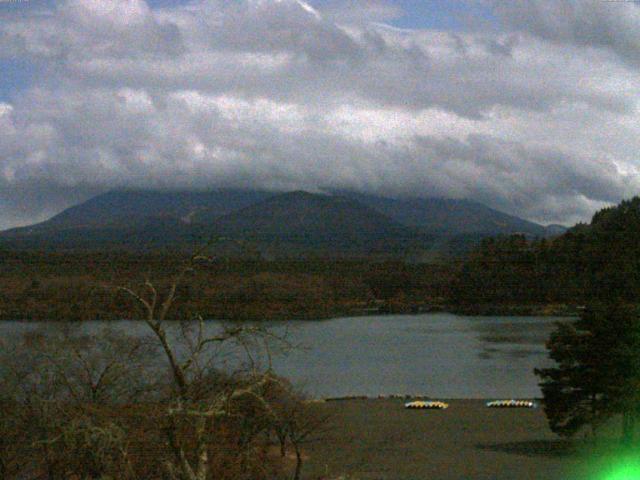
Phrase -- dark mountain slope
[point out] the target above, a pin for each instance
(287, 223)
(283, 224)
(305, 220)
(127, 208)
(148, 234)
(449, 217)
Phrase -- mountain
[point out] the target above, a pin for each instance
(132, 220)
(131, 207)
(452, 218)
(288, 224)
(302, 220)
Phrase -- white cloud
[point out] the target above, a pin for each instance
(535, 120)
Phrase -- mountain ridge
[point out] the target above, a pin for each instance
(287, 222)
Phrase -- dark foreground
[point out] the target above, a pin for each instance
(379, 439)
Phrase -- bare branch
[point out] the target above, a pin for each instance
(149, 308)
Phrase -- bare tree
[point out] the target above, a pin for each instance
(64, 390)
(108, 366)
(305, 424)
(93, 450)
(197, 406)
(12, 420)
(297, 421)
(54, 380)
(32, 404)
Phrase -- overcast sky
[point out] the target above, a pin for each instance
(529, 106)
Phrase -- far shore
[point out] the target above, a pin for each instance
(63, 286)
(409, 397)
(480, 310)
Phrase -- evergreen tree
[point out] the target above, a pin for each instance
(597, 372)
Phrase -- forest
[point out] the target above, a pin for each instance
(590, 262)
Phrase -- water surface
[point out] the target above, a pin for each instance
(439, 355)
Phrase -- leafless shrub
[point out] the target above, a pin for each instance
(97, 406)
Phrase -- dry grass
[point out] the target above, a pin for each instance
(379, 439)
(81, 286)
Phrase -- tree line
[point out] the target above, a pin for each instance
(596, 261)
(596, 375)
(80, 286)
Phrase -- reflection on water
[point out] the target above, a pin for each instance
(440, 355)
(434, 354)
(489, 353)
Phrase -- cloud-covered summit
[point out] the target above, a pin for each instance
(535, 115)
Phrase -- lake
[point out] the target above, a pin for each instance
(438, 355)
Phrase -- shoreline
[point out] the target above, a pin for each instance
(350, 398)
(466, 311)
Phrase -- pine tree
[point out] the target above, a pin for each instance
(597, 372)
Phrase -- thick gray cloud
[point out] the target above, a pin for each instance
(608, 24)
(275, 94)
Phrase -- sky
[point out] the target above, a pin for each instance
(528, 106)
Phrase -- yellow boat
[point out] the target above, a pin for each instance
(422, 404)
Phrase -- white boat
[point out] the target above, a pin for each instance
(511, 404)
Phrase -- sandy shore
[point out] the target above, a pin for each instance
(379, 439)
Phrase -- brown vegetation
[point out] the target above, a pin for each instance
(78, 406)
(75, 286)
